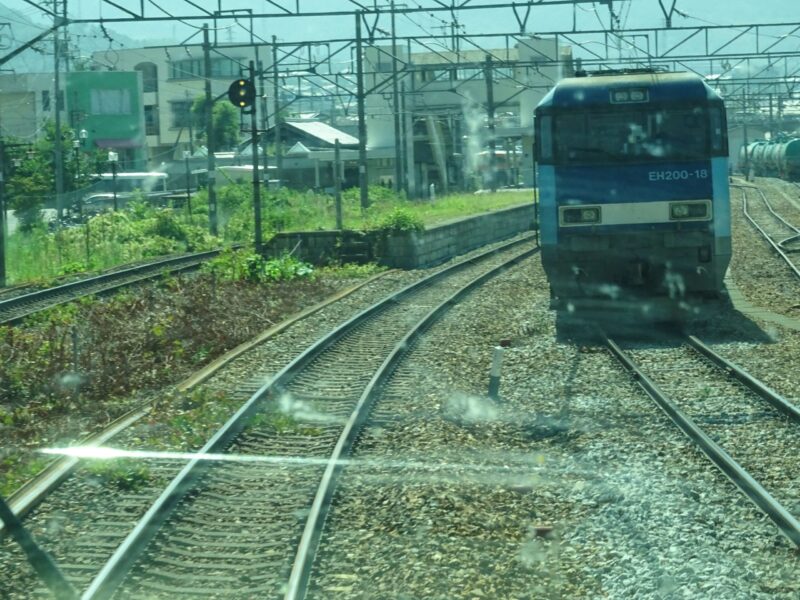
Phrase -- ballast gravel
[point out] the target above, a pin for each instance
(572, 485)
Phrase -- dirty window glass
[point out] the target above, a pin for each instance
(631, 136)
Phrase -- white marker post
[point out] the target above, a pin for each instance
(494, 376)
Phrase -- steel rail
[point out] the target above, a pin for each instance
(791, 238)
(36, 489)
(31, 494)
(772, 242)
(786, 523)
(753, 384)
(776, 215)
(140, 271)
(312, 533)
(114, 571)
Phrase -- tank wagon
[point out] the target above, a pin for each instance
(633, 187)
(789, 161)
(780, 158)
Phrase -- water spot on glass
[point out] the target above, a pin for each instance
(610, 290)
(470, 409)
(303, 411)
(675, 284)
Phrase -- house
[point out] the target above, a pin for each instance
(309, 155)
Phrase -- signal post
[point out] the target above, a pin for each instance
(242, 94)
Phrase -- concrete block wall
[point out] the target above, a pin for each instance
(315, 247)
(416, 249)
(438, 244)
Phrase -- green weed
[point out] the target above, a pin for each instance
(242, 265)
(281, 423)
(122, 474)
(353, 270)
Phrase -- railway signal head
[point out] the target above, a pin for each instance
(242, 93)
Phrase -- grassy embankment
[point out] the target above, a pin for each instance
(140, 232)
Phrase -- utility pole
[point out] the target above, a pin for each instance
(771, 120)
(186, 155)
(262, 99)
(411, 180)
(337, 183)
(487, 72)
(210, 141)
(277, 105)
(398, 155)
(191, 131)
(3, 231)
(256, 176)
(746, 150)
(59, 19)
(362, 124)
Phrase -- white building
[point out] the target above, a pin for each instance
(444, 109)
(26, 103)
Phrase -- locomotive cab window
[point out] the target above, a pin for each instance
(544, 139)
(622, 135)
(719, 132)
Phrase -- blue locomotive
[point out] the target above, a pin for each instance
(633, 187)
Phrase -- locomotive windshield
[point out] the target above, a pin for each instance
(630, 136)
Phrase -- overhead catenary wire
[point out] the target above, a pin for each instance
(423, 11)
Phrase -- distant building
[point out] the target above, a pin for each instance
(443, 103)
(172, 78)
(314, 134)
(26, 103)
(107, 105)
(308, 155)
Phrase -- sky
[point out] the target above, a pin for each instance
(633, 13)
(28, 19)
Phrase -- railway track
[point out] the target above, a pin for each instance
(739, 423)
(246, 512)
(783, 236)
(16, 308)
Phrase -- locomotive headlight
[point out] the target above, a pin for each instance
(689, 210)
(680, 211)
(580, 215)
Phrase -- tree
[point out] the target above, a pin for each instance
(29, 185)
(31, 170)
(225, 119)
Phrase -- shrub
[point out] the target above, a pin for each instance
(243, 265)
(287, 268)
(400, 220)
(232, 196)
(167, 226)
